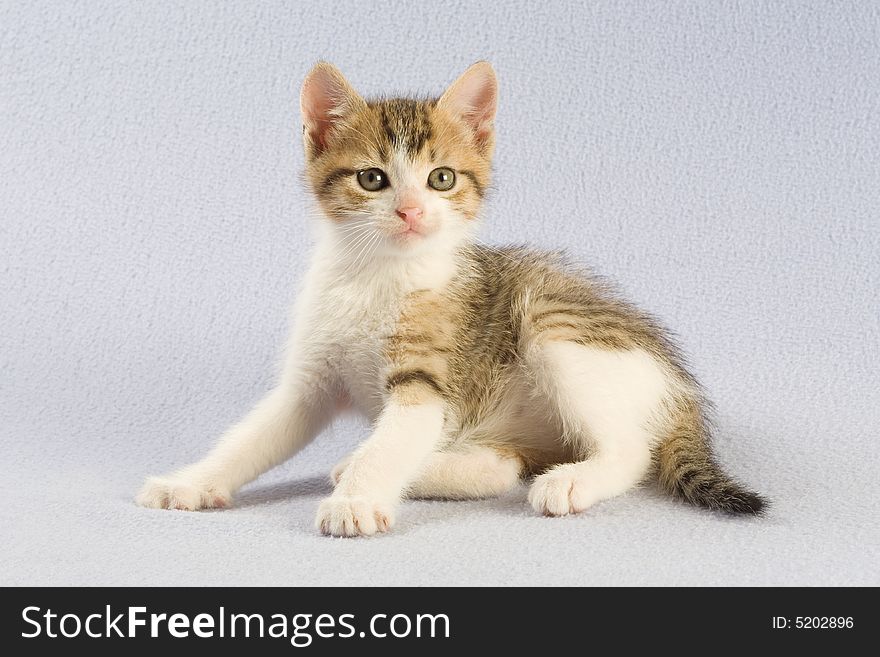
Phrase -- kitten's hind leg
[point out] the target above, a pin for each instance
(606, 400)
(472, 472)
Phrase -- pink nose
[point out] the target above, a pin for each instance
(409, 215)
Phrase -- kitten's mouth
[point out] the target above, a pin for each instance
(408, 235)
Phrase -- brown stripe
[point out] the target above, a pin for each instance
(335, 175)
(390, 135)
(473, 178)
(421, 130)
(414, 376)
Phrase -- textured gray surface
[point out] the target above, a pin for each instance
(719, 161)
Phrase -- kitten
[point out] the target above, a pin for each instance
(476, 366)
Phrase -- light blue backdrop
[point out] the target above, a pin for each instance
(720, 161)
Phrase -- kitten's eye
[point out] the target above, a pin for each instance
(372, 179)
(441, 179)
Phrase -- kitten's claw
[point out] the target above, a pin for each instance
(180, 494)
(559, 492)
(341, 515)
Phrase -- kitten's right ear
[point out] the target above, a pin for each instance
(326, 98)
(473, 98)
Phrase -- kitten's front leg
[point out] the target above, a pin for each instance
(278, 426)
(409, 428)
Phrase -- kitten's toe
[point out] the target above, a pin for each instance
(338, 469)
(560, 492)
(177, 493)
(353, 516)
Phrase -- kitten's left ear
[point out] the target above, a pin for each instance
(473, 98)
(325, 100)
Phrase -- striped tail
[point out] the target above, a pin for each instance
(688, 470)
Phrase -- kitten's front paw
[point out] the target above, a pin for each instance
(560, 491)
(175, 492)
(341, 515)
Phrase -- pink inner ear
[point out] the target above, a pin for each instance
(479, 95)
(317, 104)
(318, 130)
(474, 98)
(325, 96)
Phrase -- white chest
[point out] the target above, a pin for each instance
(344, 319)
(359, 326)
(343, 326)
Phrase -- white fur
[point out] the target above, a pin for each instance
(349, 305)
(468, 473)
(370, 487)
(279, 425)
(608, 402)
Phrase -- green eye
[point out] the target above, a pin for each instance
(372, 179)
(442, 179)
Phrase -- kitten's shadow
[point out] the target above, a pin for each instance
(423, 512)
(433, 512)
(318, 485)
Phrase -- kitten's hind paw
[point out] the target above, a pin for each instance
(561, 491)
(178, 493)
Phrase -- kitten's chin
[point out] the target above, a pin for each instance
(409, 244)
(408, 238)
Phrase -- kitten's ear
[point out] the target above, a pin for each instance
(326, 98)
(473, 98)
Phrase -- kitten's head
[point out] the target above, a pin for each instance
(398, 177)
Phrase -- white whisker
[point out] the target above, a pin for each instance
(353, 247)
